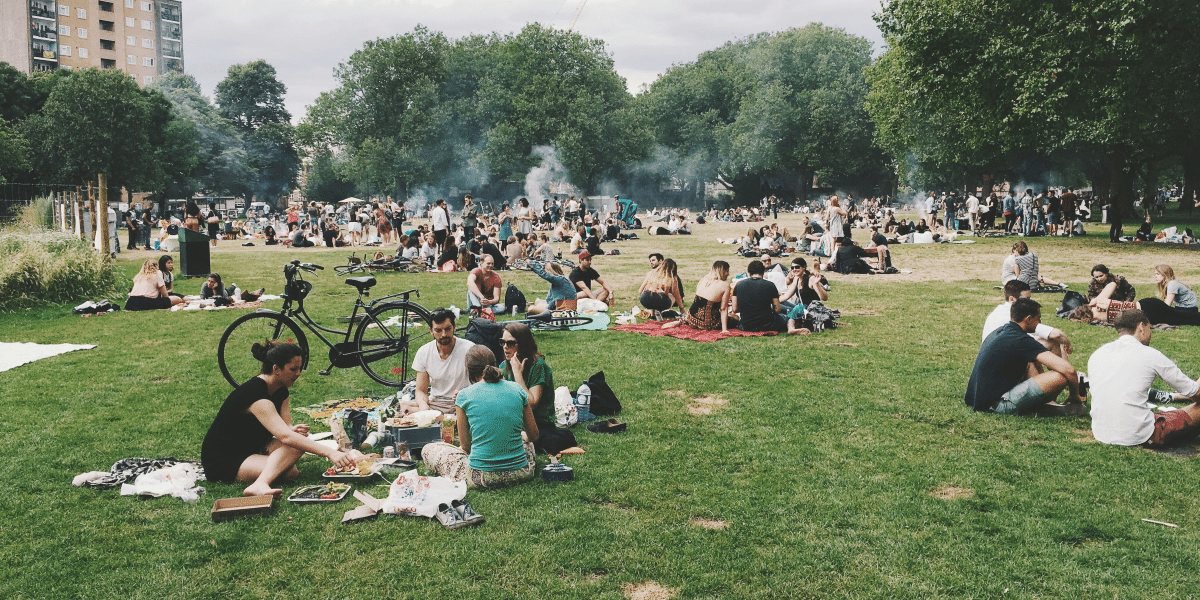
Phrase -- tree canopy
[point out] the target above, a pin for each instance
(251, 99)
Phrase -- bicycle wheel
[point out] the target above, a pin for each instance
(556, 323)
(388, 338)
(233, 353)
(344, 270)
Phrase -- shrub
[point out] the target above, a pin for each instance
(38, 214)
(38, 266)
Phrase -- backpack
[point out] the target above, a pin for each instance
(1071, 300)
(602, 400)
(514, 298)
(486, 333)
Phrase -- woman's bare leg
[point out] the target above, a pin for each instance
(262, 470)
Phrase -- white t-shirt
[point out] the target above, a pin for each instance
(1003, 314)
(972, 204)
(440, 221)
(1006, 269)
(446, 377)
(1121, 373)
(929, 202)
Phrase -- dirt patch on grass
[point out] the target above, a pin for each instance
(706, 405)
(951, 492)
(844, 344)
(862, 313)
(162, 380)
(714, 524)
(649, 590)
(1083, 436)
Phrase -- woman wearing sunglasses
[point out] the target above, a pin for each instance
(523, 365)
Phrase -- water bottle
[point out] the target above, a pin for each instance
(454, 309)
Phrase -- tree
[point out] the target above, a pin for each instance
(251, 99)
(975, 84)
(221, 165)
(99, 121)
(769, 112)
(14, 152)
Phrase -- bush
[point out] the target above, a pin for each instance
(38, 214)
(38, 267)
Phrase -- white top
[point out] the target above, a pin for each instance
(446, 377)
(929, 203)
(972, 204)
(1121, 373)
(440, 220)
(1007, 273)
(1003, 314)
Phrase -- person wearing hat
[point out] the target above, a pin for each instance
(583, 276)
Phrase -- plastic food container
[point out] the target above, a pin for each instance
(246, 506)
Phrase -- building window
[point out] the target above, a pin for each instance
(64, 10)
(81, 32)
(81, 13)
(146, 6)
(130, 40)
(64, 50)
(131, 59)
(83, 52)
(130, 22)
(128, 3)
(108, 45)
(147, 25)
(64, 30)
(147, 79)
(147, 61)
(147, 43)
(106, 25)
(106, 6)
(107, 63)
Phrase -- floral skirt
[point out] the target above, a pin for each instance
(449, 461)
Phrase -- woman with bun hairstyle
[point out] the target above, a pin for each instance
(496, 430)
(253, 439)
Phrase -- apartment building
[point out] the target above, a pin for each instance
(142, 38)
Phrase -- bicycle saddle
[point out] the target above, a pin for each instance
(361, 283)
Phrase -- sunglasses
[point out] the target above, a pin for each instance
(508, 343)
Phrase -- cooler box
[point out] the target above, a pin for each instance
(417, 437)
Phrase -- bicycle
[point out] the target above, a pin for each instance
(358, 265)
(558, 320)
(386, 330)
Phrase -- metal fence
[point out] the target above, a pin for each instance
(15, 196)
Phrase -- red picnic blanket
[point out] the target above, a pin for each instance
(684, 332)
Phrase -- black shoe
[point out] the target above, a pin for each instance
(609, 426)
(466, 513)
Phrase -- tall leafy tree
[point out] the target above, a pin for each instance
(974, 84)
(99, 121)
(221, 165)
(251, 99)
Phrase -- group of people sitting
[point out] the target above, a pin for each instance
(501, 412)
(1023, 366)
(154, 288)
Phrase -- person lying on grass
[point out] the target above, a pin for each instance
(252, 438)
(1122, 372)
(496, 429)
(1008, 378)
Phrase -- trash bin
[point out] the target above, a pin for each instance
(193, 253)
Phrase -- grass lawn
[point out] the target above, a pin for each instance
(838, 465)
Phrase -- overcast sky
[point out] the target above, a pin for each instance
(305, 39)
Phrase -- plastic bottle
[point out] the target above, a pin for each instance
(454, 309)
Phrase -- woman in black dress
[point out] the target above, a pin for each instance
(253, 439)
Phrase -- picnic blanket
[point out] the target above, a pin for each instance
(599, 322)
(15, 354)
(684, 332)
(195, 303)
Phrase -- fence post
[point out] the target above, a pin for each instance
(106, 242)
(77, 212)
(91, 201)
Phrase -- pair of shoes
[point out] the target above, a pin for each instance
(449, 518)
(609, 426)
(466, 513)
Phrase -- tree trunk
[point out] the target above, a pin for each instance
(1189, 156)
(1122, 184)
(105, 241)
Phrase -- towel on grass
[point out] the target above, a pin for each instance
(684, 332)
(15, 354)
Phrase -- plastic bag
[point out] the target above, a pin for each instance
(564, 407)
(413, 495)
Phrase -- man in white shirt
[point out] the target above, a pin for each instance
(973, 211)
(440, 365)
(1052, 338)
(927, 209)
(1122, 372)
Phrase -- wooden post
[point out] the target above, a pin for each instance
(91, 202)
(106, 242)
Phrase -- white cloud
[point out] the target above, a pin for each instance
(306, 39)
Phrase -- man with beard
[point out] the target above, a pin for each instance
(440, 365)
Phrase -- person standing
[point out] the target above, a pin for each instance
(470, 217)
(132, 225)
(1070, 203)
(1010, 212)
(441, 224)
(973, 212)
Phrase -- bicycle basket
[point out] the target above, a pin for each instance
(298, 289)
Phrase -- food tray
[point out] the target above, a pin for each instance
(347, 476)
(294, 497)
(246, 506)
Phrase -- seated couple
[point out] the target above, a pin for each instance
(756, 301)
(1111, 295)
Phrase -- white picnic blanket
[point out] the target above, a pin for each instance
(15, 354)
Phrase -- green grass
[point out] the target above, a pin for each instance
(825, 463)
